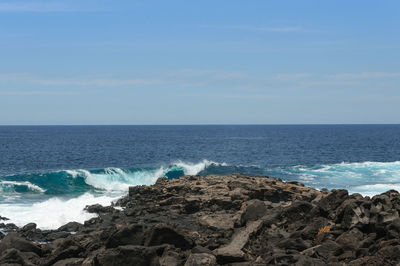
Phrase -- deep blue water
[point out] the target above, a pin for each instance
(26, 149)
(38, 163)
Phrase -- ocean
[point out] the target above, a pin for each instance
(48, 174)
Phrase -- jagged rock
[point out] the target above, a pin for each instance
(71, 227)
(12, 240)
(200, 249)
(350, 240)
(236, 220)
(165, 234)
(254, 210)
(57, 235)
(64, 248)
(69, 262)
(170, 258)
(297, 211)
(217, 221)
(233, 251)
(11, 227)
(293, 243)
(201, 259)
(333, 200)
(192, 205)
(127, 235)
(13, 256)
(3, 218)
(97, 208)
(128, 255)
(29, 227)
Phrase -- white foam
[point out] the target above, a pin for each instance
(23, 183)
(367, 178)
(195, 168)
(75, 173)
(54, 212)
(374, 189)
(115, 179)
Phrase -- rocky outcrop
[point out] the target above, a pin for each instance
(220, 220)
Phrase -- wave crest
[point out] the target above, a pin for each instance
(19, 187)
(107, 179)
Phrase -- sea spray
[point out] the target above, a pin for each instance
(26, 197)
(62, 200)
(54, 212)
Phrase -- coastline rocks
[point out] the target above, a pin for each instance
(219, 220)
(12, 240)
(165, 234)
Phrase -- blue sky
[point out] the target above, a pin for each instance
(199, 62)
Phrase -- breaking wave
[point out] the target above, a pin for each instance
(107, 179)
(64, 194)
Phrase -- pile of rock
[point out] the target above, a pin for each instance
(228, 220)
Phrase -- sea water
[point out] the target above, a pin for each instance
(48, 174)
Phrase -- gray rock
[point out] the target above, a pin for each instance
(12, 240)
(69, 262)
(255, 209)
(201, 259)
(29, 227)
(165, 234)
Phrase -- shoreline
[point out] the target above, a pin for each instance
(220, 220)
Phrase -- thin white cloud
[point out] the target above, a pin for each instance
(41, 6)
(291, 76)
(260, 28)
(201, 73)
(365, 75)
(29, 78)
(184, 77)
(96, 82)
(30, 92)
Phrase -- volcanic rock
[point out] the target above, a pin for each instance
(219, 220)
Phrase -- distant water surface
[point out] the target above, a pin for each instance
(57, 170)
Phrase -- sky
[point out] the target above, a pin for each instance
(199, 62)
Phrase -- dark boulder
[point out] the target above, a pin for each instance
(192, 205)
(56, 235)
(11, 226)
(297, 211)
(255, 209)
(127, 235)
(333, 200)
(62, 249)
(201, 259)
(165, 234)
(3, 218)
(69, 262)
(71, 227)
(14, 257)
(128, 255)
(97, 208)
(350, 240)
(12, 240)
(29, 227)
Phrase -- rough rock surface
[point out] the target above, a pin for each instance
(219, 220)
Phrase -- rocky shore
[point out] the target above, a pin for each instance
(219, 220)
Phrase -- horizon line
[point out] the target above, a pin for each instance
(201, 124)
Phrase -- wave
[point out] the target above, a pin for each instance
(55, 198)
(374, 189)
(351, 176)
(367, 178)
(14, 186)
(108, 179)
